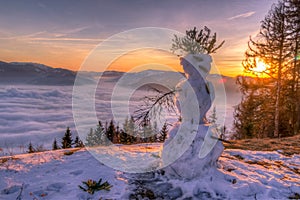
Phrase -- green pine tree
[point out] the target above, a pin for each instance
(130, 130)
(111, 131)
(213, 116)
(147, 132)
(123, 137)
(78, 143)
(30, 148)
(96, 137)
(54, 145)
(163, 133)
(90, 141)
(117, 135)
(67, 139)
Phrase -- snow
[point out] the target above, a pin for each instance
(53, 175)
(190, 142)
(199, 168)
(56, 176)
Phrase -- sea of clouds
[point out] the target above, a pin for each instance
(38, 114)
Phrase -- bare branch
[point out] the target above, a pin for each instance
(154, 104)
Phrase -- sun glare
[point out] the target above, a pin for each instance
(260, 66)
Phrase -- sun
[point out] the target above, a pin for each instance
(260, 66)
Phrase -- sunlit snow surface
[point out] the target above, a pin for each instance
(240, 175)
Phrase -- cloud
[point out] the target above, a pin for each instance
(62, 35)
(244, 15)
(39, 114)
(14, 37)
(66, 39)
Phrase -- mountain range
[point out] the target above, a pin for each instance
(20, 73)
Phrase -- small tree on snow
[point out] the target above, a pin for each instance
(96, 137)
(129, 130)
(123, 137)
(163, 133)
(213, 116)
(67, 139)
(30, 148)
(111, 131)
(54, 145)
(78, 142)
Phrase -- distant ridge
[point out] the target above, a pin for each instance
(35, 74)
(15, 73)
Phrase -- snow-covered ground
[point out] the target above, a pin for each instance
(240, 175)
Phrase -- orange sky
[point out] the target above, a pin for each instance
(72, 55)
(59, 34)
(155, 59)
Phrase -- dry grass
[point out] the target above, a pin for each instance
(7, 158)
(288, 145)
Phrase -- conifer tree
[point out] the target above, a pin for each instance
(111, 131)
(100, 138)
(123, 137)
(90, 140)
(96, 137)
(147, 132)
(30, 148)
(78, 143)
(293, 103)
(277, 46)
(130, 130)
(163, 133)
(213, 117)
(67, 139)
(54, 145)
(116, 138)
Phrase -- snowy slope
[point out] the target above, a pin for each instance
(240, 175)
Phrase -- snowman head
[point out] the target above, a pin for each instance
(193, 64)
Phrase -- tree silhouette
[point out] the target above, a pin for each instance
(67, 139)
(30, 148)
(78, 142)
(276, 45)
(163, 133)
(54, 145)
(196, 41)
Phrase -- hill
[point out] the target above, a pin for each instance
(36, 74)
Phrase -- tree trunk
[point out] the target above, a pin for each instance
(277, 104)
(278, 89)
